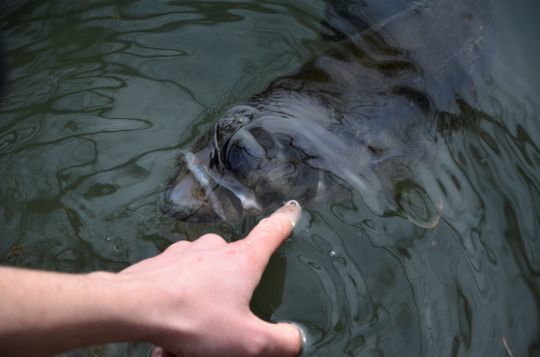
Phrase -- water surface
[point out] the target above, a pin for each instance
(102, 95)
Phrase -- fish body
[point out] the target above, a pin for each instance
(362, 117)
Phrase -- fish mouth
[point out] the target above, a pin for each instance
(184, 202)
(198, 194)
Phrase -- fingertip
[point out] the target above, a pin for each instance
(296, 336)
(287, 339)
(292, 209)
(282, 221)
(270, 233)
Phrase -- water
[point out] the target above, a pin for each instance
(101, 97)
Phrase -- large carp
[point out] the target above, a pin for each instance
(362, 117)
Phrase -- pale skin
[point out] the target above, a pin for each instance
(192, 300)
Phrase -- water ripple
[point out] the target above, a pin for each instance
(102, 95)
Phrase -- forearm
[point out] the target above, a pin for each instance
(42, 313)
(192, 299)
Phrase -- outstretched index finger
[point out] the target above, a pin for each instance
(268, 235)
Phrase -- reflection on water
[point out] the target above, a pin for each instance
(102, 96)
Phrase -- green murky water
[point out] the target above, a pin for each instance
(102, 95)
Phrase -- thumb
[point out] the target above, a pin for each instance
(280, 339)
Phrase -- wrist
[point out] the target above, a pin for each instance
(100, 310)
(82, 309)
(122, 308)
(141, 312)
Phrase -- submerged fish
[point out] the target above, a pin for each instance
(362, 117)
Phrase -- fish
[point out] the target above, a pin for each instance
(364, 117)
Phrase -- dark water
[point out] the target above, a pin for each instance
(102, 95)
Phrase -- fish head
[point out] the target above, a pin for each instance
(244, 168)
(196, 195)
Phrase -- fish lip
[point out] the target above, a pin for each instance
(170, 208)
(179, 205)
(215, 201)
(179, 212)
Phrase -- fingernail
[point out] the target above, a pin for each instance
(293, 209)
(293, 203)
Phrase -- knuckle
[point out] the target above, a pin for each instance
(237, 254)
(212, 238)
(177, 246)
(267, 226)
(273, 226)
(248, 261)
(258, 343)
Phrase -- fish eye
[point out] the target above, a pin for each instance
(375, 150)
(239, 119)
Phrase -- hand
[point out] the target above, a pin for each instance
(196, 295)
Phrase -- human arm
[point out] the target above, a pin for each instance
(192, 299)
